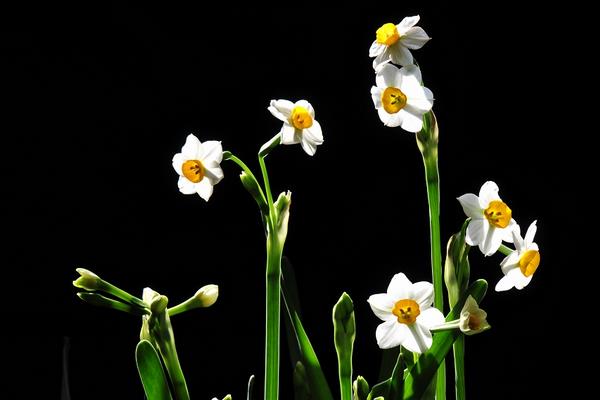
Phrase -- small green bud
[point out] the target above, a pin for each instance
(88, 280)
(360, 388)
(207, 295)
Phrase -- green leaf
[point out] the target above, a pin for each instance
(301, 386)
(250, 387)
(151, 372)
(102, 301)
(421, 374)
(391, 388)
(360, 388)
(302, 345)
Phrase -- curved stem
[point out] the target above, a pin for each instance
(245, 168)
(505, 250)
(272, 216)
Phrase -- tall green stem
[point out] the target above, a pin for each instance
(459, 367)
(274, 252)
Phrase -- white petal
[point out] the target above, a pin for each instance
(414, 38)
(492, 241)
(411, 77)
(530, 235)
(382, 58)
(407, 23)
(376, 96)
(399, 287)
(288, 134)
(476, 232)
(395, 120)
(521, 280)
(387, 76)
(281, 109)
(314, 133)
(390, 334)
(470, 205)
(214, 173)
(309, 147)
(148, 295)
(418, 340)
(178, 160)
(421, 100)
(376, 49)
(507, 233)
(488, 193)
(191, 147)
(518, 240)
(510, 262)
(384, 116)
(307, 105)
(504, 284)
(204, 189)
(382, 305)
(212, 151)
(186, 186)
(399, 54)
(430, 317)
(422, 293)
(411, 122)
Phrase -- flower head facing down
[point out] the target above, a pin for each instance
(472, 318)
(399, 97)
(491, 219)
(394, 42)
(299, 124)
(407, 314)
(199, 166)
(520, 265)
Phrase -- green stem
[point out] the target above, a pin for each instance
(274, 252)
(166, 344)
(459, 367)
(432, 180)
(272, 215)
(505, 250)
(244, 167)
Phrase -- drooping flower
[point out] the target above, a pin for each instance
(198, 166)
(394, 42)
(520, 265)
(299, 124)
(407, 314)
(399, 97)
(472, 318)
(491, 219)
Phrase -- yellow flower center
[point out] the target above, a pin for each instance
(393, 100)
(406, 310)
(193, 170)
(301, 118)
(498, 214)
(387, 34)
(529, 262)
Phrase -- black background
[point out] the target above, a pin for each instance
(98, 99)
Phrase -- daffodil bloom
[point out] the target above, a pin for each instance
(520, 265)
(394, 42)
(399, 97)
(472, 319)
(299, 124)
(407, 312)
(198, 166)
(491, 219)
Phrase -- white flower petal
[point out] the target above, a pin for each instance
(504, 284)
(411, 121)
(191, 147)
(510, 262)
(421, 101)
(488, 193)
(385, 117)
(476, 231)
(414, 38)
(430, 317)
(530, 235)
(204, 189)
(492, 241)
(376, 96)
(507, 233)
(186, 186)
(288, 134)
(178, 160)
(518, 240)
(407, 23)
(470, 205)
(521, 280)
(309, 147)
(411, 78)
(382, 58)
(399, 287)
(418, 340)
(399, 54)
(212, 151)
(314, 133)
(390, 334)
(281, 109)
(376, 49)
(382, 305)
(214, 174)
(387, 76)
(422, 293)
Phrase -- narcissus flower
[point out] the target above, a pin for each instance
(520, 265)
(299, 124)
(407, 314)
(491, 219)
(392, 42)
(472, 318)
(399, 97)
(198, 166)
